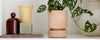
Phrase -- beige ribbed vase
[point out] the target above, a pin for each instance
(26, 13)
(57, 22)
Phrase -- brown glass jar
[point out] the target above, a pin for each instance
(13, 25)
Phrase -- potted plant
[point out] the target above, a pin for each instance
(57, 16)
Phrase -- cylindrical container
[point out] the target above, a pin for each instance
(12, 25)
(57, 22)
(57, 19)
(26, 13)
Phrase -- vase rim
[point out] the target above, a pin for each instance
(59, 10)
(22, 6)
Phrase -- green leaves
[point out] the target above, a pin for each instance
(56, 5)
(51, 2)
(64, 3)
(41, 8)
(88, 12)
(79, 11)
(51, 7)
(90, 27)
(71, 4)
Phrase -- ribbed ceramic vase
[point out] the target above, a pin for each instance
(94, 7)
(57, 22)
(26, 13)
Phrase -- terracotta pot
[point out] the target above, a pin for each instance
(57, 34)
(57, 22)
(57, 19)
(26, 13)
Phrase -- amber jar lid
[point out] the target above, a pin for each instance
(13, 17)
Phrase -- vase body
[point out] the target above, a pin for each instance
(12, 26)
(57, 22)
(57, 19)
(26, 13)
(94, 7)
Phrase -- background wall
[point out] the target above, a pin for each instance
(40, 20)
(0, 17)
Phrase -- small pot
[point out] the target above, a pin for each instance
(57, 19)
(57, 22)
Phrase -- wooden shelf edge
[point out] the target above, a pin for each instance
(21, 36)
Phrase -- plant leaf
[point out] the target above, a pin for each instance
(41, 8)
(71, 4)
(57, 3)
(87, 11)
(79, 11)
(64, 3)
(50, 2)
(50, 8)
(55, 6)
(90, 27)
(58, 6)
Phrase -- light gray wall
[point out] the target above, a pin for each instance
(0, 17)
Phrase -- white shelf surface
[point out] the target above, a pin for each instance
(78, 36)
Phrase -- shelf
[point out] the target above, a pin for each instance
(78, 36)
(21, 36)
(70, 36)
(82, 36)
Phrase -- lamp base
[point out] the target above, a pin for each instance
(25, 28)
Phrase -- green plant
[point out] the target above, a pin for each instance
(75, 12)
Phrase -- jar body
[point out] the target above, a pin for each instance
(12, 26)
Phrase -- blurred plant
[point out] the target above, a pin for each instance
(76, 12)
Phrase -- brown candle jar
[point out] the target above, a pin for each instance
(12, 25)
